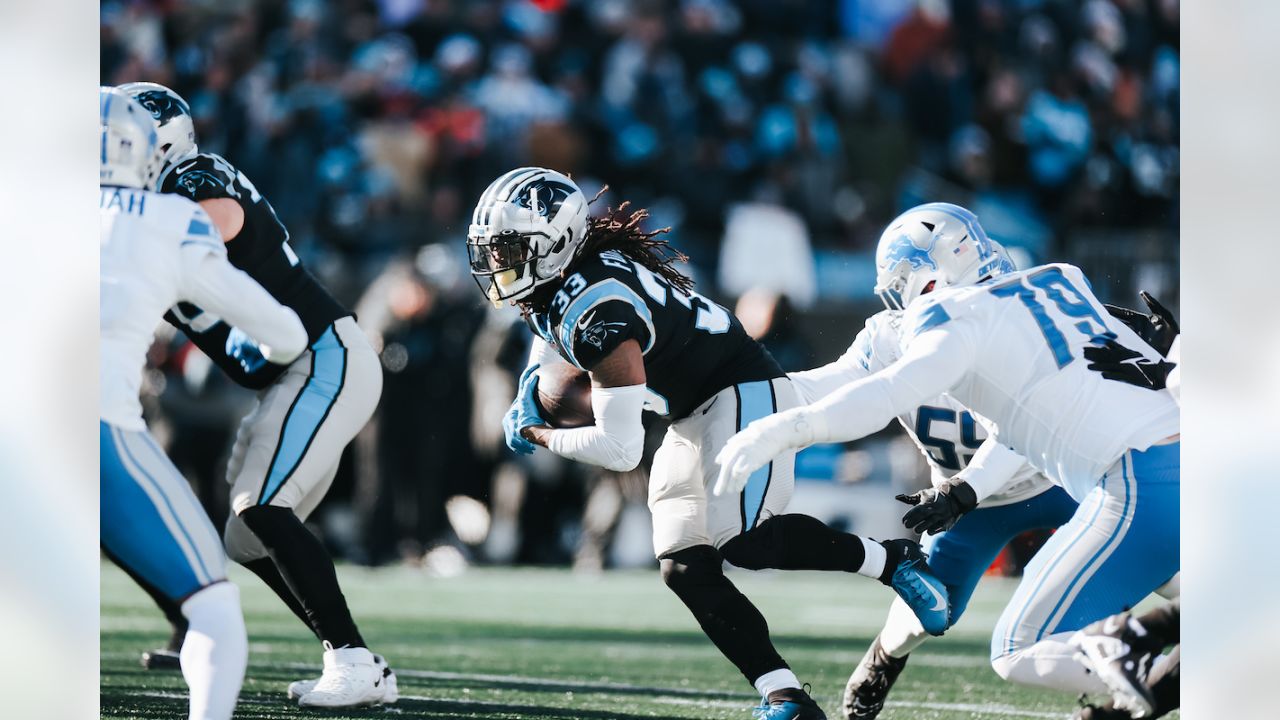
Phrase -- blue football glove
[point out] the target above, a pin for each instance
(523, 412)
(244, 350)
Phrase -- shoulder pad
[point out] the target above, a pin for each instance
(204, 176)
(597, 319)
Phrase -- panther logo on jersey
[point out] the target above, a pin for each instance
(598, 333)
(198, 180)
(162, 106)
(904, 249)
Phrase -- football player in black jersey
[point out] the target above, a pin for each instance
(603, 295)
(287, 449)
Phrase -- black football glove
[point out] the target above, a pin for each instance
(938, 510)
(1117, 362)
(1158, 329)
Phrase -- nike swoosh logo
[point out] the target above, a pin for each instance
(585, 322)
(941, 603)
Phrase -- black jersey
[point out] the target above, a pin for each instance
(693, 348)
(261, 250)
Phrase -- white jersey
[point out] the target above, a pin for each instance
(1010, 350)
(157, 250)
(944, 430)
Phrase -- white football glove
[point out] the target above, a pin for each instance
(758, 444)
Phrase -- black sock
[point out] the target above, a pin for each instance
(171, 609)
(795, 542)
(1165, 683)
(266, 569)
(308, 571)
(727, 617)
(1162, 624)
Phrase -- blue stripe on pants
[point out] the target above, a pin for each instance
(1120, 546)
(755, 401)
(962, 554)
(142, 517)
(308, 412)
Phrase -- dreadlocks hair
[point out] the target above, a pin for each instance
(619, 229)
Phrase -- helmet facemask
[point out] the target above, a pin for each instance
(505, 266)
(526, 229)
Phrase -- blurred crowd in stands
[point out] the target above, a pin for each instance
(790, 130)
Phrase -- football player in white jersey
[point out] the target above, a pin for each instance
(1009, 348)
(156, 251)
(948, 435)
(1124, 649)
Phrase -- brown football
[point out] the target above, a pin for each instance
(564, 396)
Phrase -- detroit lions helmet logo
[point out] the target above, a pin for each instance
(163, 106)
(904, 249)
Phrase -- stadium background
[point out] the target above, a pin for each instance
(775, 138)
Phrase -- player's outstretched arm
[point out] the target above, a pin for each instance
(935, 361)
(213, 283)
(616, 440)
(937, 509)
(817, 383)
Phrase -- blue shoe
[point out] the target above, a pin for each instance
(916, 584)
(790, 704)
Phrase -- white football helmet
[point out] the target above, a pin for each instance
(172, 117)
(131, 155)
(930, 247)
(526, 228)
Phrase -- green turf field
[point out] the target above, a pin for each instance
(503, 643)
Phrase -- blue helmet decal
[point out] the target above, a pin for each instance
(904, 249)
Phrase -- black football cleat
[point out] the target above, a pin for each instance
(1101, 712)
(1118, 649)
(869, 685)
(789, 704)
(161, 659)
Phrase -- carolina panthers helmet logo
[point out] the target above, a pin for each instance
(163, 106)
(903, 249)
(544, 197)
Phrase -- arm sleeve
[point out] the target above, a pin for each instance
(211, 282)
(934, 362)
(616, 441)
(813, 385)
(991, 468)
(542, 353)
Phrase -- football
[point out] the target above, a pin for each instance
(564, 396)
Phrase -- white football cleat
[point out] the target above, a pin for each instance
(352, 677)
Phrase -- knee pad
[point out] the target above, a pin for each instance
(684, 569)
(242, 545)
(1004, 664)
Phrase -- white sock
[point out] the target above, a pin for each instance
(902, 631)
(874, 558)
(215, 652)
(776, 680)
(1050, 663)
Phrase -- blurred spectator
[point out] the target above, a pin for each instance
(776, 137)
